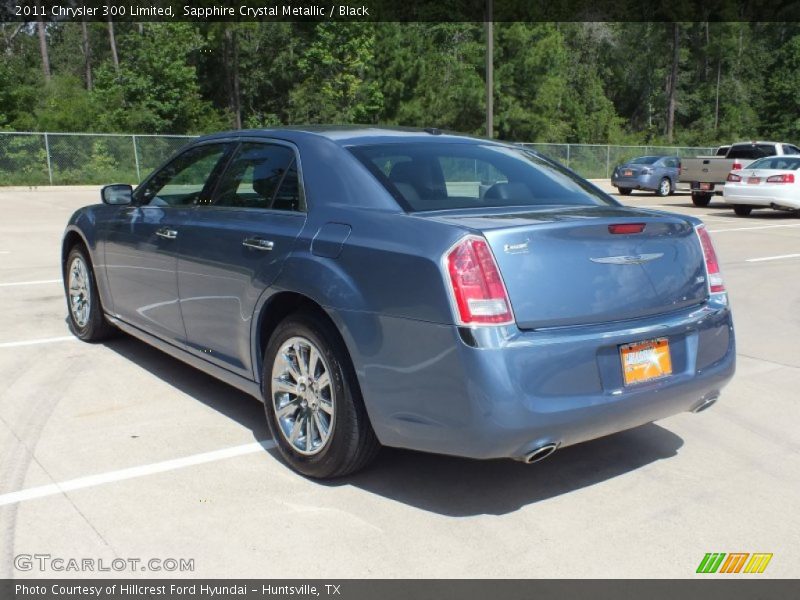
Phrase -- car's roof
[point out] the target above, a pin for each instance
(753, 143)
(355, 135)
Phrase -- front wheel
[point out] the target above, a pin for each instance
(742, 210)
(664, 187)
(313, 403)
(701, 199)
(86, 318)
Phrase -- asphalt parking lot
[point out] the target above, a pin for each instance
(119, 451)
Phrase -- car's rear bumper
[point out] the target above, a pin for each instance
(641, 182)
(783, 195)
(502, 392)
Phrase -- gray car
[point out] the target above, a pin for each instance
(408, 289)
(657, 174)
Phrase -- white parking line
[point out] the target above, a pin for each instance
(39, 282)
(53, 340)
(752, 228)
(773, 257)
(133, 472)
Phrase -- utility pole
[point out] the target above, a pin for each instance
(489, 71)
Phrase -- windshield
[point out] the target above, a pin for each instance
(442, 175)
(643, 160)
(786, 163)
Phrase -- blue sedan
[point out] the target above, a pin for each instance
(657, 174)
(406, 288)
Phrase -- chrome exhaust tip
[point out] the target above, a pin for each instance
(706, 403)
(539, 453)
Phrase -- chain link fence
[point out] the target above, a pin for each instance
(79, 159)
(597, 161)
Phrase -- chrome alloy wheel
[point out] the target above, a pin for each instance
(302, 395)
(80, 297)
(663, 187)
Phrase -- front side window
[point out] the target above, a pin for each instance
(183, 181)
(260, 176)
(442, 175)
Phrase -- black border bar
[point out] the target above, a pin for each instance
(711, 587)
(402, 10)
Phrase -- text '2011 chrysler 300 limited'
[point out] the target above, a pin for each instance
(406, 288)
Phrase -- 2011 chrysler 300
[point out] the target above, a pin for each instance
(406, 288)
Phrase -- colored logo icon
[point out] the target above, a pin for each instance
(734, 562)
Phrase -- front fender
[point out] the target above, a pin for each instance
(83, 226)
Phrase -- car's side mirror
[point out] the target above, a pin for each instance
(117, 194)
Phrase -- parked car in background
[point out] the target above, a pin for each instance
(707, 175)
(657, 174)
(772, 182)
(406, 288)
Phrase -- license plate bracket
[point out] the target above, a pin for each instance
(645, 361)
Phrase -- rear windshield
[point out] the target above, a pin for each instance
(747, 151)
(643, 160)
(442, 175)
(788, 163)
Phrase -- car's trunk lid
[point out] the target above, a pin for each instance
(563, 266)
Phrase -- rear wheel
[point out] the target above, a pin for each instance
(742, 210)
(664, 187)
(86, 318)
(701, 199)
(313, 403)
(624, 191)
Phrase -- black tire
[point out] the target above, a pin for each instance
(92, 325)
(701, 199)
(664, 190)
(624, 191)
(351, 442)
(742, 210)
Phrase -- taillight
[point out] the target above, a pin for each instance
(715, 283)
(478, 290)
(733, 177)
(626, 228)
(785, 178)
(737, 166)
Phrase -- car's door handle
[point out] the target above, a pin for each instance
(257, 243)
(167, 234)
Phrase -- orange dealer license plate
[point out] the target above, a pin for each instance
(645, 361)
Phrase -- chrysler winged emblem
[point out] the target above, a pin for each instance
(636, 259)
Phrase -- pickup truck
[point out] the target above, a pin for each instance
(706, 175)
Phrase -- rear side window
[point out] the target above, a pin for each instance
(670, 163)
(789, 149)
(750, 151)
(260, 176)
(442, 175)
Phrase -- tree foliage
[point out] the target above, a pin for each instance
(553, 82)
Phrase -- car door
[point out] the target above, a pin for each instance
(232, 249)
(141, 241)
